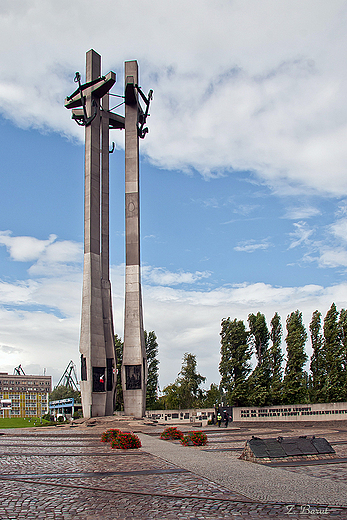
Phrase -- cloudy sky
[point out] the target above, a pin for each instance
(243, 172)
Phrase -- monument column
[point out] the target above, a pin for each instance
(96, 339)
(111, 379)
(92, 343)
(134, 367)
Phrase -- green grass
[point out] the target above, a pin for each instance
(21, 422)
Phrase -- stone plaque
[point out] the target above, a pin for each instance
(288, 447)
(133, 377)
(322, 445)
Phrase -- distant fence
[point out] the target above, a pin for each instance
(291, 412)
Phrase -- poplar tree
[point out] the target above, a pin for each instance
(118, 345)
(234, 366)
(333, 356)
(259, 380)
(152, 350)
(343, 333)
(295, 379)
(276, 359)
(317, 365)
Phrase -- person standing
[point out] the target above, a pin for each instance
(226, 419)
(219, 419)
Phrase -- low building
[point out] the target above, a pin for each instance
(28, 395)
(64, 407)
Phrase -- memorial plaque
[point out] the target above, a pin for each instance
(322, 445)
(258, 448)
(306, 446)
(133, 377)
(291, 448)
(274, 448)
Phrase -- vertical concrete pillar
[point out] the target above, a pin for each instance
(98, 359)
(134, 367)
(95, 293)
(105, 263)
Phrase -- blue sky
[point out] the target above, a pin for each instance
(243, 173)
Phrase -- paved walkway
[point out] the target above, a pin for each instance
(67, 474)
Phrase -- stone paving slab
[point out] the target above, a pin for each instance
(253, 480)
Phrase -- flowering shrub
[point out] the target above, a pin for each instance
(110, 435)
(194, 439)
(171, 433)
(126, 441)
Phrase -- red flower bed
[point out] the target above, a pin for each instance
(110, 435)
(126, 441)
(171, 433)
(194, 439)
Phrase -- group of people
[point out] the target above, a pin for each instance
(225, 418)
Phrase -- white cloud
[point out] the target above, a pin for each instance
(299, 213)
(332, 258)
(159, 276)
(301, 234)
(24, 249)
(40, 318)
(249, 246)
(339, 229)
(256, 86)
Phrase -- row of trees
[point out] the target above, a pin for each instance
(268, 383)
(274, 380)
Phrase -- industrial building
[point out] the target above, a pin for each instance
(23, 395)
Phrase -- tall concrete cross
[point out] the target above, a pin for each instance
(98, 360)
(134, 367)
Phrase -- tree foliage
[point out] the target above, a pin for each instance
(118, 345)
(275, 360)
(295, 379)
(259, 381)
(317, 364)
(63, 392)
(185, 392)
(234, 365)
(333, 356)
(152, 350)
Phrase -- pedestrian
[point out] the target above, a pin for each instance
(213, 418)
(226, 419)
(219, 419)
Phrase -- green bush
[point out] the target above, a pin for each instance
(171, 433)
(195, 439)
(126, 441)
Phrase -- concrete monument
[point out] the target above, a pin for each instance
(134, 367)
(98, 361)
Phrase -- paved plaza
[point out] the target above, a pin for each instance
(68, 474)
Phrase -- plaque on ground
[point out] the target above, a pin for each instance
(290, 448)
